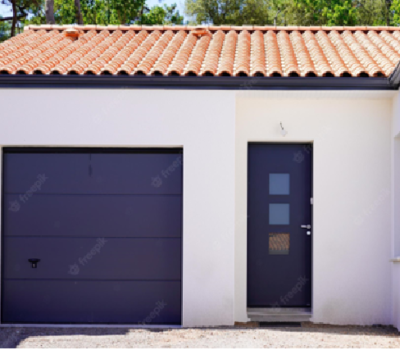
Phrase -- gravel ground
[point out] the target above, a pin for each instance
(309, 335)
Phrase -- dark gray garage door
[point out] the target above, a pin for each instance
(107, 229)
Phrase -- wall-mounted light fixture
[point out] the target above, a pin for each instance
(283, 131)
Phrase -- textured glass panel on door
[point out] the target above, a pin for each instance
(279, 184)
(279, 214)
(279, 243)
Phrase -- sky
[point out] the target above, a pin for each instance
(5, 10)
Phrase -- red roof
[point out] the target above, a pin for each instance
(203, 51)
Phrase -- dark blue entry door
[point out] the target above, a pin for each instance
(279, 225)
(106, 229)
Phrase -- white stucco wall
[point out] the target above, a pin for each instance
(351, 133)
(396, 209)
(201, 122)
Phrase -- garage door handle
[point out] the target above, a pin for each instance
(34, 262)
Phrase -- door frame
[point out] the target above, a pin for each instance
(308, 150)
(76, 149)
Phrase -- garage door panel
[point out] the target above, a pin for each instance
(107, 228)
(94, 173)
(95, 216)
(94, 258)
(92, 302)
(62, 172)
(148, 173)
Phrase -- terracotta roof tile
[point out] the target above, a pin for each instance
(348, 56)
(335, 60)
(161, 67)
(153, 55)
(303, 55)
(212, 56)
(272, 54)
(182, 57)
(139, 53)
(362, 55)
(227, 57)
(132, 43)
(196, 59)
(289, 61)
(243, 55)
(322, 66)
(257, 55)
(375, 53)
(262, 51)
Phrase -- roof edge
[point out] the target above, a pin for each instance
(394, 78)
(201, 82)
(265, 28)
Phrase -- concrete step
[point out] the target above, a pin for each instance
(279, 314)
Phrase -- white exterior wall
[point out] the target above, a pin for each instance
(351, 133)
(396, 209)
(199, 121)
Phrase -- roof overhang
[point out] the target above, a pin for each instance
(394, 78)
(200, 83)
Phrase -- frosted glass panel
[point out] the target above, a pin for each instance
(279, 243)
(279, 183)
(279, 214)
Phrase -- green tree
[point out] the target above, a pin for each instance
(395, 8)
(49, 11)
(213, 11)
(5, 29)
(294, 12)
(161, 15)
(238, 12)
(322, 12)
(376, 12)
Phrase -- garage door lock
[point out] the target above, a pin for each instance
(34, 262)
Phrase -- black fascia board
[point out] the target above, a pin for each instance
(394, 78)
(199, 82)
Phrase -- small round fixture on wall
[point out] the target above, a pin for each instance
(283, 131)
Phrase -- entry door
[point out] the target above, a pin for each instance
(279, 225)
(92, 236)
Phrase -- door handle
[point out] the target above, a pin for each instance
(307, 227)
(34, 262)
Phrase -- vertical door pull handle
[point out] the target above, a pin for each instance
(34, 262)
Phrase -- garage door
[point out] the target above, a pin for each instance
(92, 236)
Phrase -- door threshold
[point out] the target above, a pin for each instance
(279, 314)
(85, 325)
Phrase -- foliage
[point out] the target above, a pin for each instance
(218, 12)
(323, 12)
(21, 10)
(5, 28)
(161, 15)
(395, 8)
(101, 12)
(104, 12)
(294, 12)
